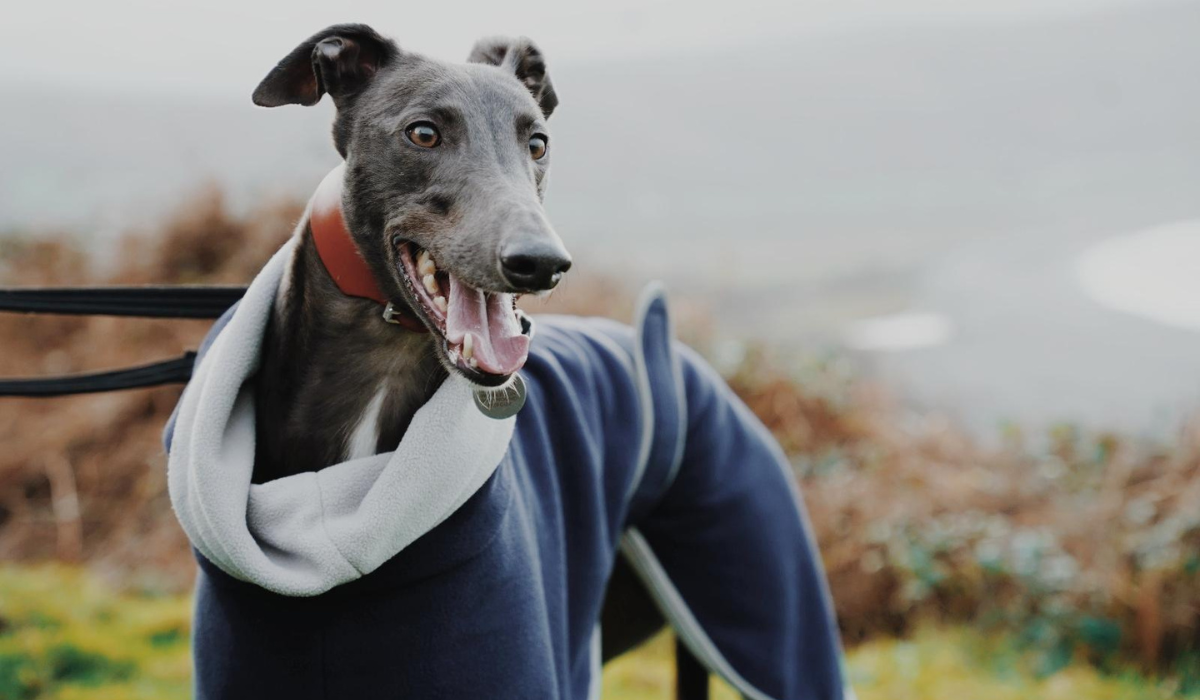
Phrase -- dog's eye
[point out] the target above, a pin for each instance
(423, 134)
(538, 146)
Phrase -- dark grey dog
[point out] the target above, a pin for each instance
(444, 160)
(446, 167)
(439, 207)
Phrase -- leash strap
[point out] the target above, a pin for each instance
(146, 302)
(176, 371)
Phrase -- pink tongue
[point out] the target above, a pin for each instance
(499, 346)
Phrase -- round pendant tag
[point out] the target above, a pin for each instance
(501, 403)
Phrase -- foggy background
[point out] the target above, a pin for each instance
(994, 206)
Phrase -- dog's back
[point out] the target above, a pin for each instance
(629, 446)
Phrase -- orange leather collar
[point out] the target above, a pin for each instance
(340, 256)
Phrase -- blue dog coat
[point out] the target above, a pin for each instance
(629, 445)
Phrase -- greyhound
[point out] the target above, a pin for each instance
(362, 530)
(446, 169)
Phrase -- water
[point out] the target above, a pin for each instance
(1099, 330)
(1153, 274)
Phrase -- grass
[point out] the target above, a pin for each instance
(66, 636)
(935, 664)
(962, 663)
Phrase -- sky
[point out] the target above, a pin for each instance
(223, 45)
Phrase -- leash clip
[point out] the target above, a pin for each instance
(398, 316)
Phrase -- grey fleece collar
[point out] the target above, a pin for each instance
(304, 534)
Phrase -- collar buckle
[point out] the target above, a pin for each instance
(391, 314)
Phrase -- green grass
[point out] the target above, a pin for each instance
(962, 663)
(65, 636)
(936, 664)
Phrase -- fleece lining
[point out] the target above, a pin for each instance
(307, 533)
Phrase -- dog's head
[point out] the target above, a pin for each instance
(445, 171)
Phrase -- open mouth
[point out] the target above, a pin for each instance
(485, 336)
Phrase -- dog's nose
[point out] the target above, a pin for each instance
(534, 266)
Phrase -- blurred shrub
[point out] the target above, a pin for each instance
(1087, 545)
(85, 477)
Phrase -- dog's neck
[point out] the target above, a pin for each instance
(336, 381)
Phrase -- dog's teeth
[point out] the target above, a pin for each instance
(425, 264)
(468, 350)
(431, 284)
(440, 303)
(473, 363)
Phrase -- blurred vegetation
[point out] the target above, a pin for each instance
(1073, 547)
(63, 636)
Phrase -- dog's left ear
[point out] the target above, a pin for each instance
(524, 59)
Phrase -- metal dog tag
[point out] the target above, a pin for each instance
(502, 403)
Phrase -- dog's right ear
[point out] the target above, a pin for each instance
(523, 59)
(340, 60)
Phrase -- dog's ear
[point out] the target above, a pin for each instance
(524, 59)
(340, 60)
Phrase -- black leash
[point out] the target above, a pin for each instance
(177, 371)
(146, 302)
